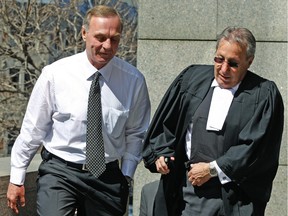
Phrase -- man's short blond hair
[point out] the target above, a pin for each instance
(101, 11)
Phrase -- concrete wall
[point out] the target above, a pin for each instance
(174, 34)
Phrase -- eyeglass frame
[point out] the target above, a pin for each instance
(221, 60)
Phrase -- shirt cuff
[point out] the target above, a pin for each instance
(128, 168)
(223, 178)
(17, 176)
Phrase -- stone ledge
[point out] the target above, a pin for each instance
(30, 187)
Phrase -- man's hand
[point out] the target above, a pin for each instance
(199, 173)
(15, 196)
(162, 166)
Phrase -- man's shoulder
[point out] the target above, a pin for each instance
(195, 75)
(201, 70)
(254, 81)
(194, 79)
(66, 63)
(122, 63)
(125, 67)
(68, 60)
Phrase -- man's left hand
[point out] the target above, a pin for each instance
(199, 173)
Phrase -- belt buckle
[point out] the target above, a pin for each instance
(84, 167)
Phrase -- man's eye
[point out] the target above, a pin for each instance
(101, 39)
(220, 60)
(115, 39)
(233, 64)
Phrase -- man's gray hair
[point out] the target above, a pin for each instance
(242, 36)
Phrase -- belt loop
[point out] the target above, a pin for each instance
(45, 155)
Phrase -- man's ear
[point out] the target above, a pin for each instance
(83, 33)
(250, 60)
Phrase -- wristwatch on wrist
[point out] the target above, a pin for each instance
(212, 170)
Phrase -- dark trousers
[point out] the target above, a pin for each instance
(62, 189)
(202, 202)
(212, 199)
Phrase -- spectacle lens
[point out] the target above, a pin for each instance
(220, 60)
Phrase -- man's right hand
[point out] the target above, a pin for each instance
(15, 197)
(162, 166)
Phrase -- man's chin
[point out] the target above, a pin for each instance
(104, 59)
(224, 84)
(102, 62)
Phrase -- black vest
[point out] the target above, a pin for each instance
(206, 146)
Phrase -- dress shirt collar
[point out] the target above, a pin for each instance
(220, 105)
(90, 69)
(106, 71)
(233, 89)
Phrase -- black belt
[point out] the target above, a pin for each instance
(46, 155)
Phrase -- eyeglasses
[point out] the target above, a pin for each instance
(221, 60)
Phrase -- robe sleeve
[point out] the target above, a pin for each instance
(161, 135)
(252, 163)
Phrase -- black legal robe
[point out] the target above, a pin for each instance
(252, 137)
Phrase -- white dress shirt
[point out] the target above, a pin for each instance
(220, 104)
(56, 114)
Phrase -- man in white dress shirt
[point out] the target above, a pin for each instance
(56, 118)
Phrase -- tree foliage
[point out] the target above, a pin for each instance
(35, 33)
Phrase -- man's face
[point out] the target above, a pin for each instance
(102, 39)
(232, 64)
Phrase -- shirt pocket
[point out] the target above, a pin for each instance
(61, 117)
(62, 124)
(114, 121)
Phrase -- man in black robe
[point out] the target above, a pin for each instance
(216, 135)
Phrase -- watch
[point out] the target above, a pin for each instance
(212, 170)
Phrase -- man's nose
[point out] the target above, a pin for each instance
(225, 66)
(107, 43)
